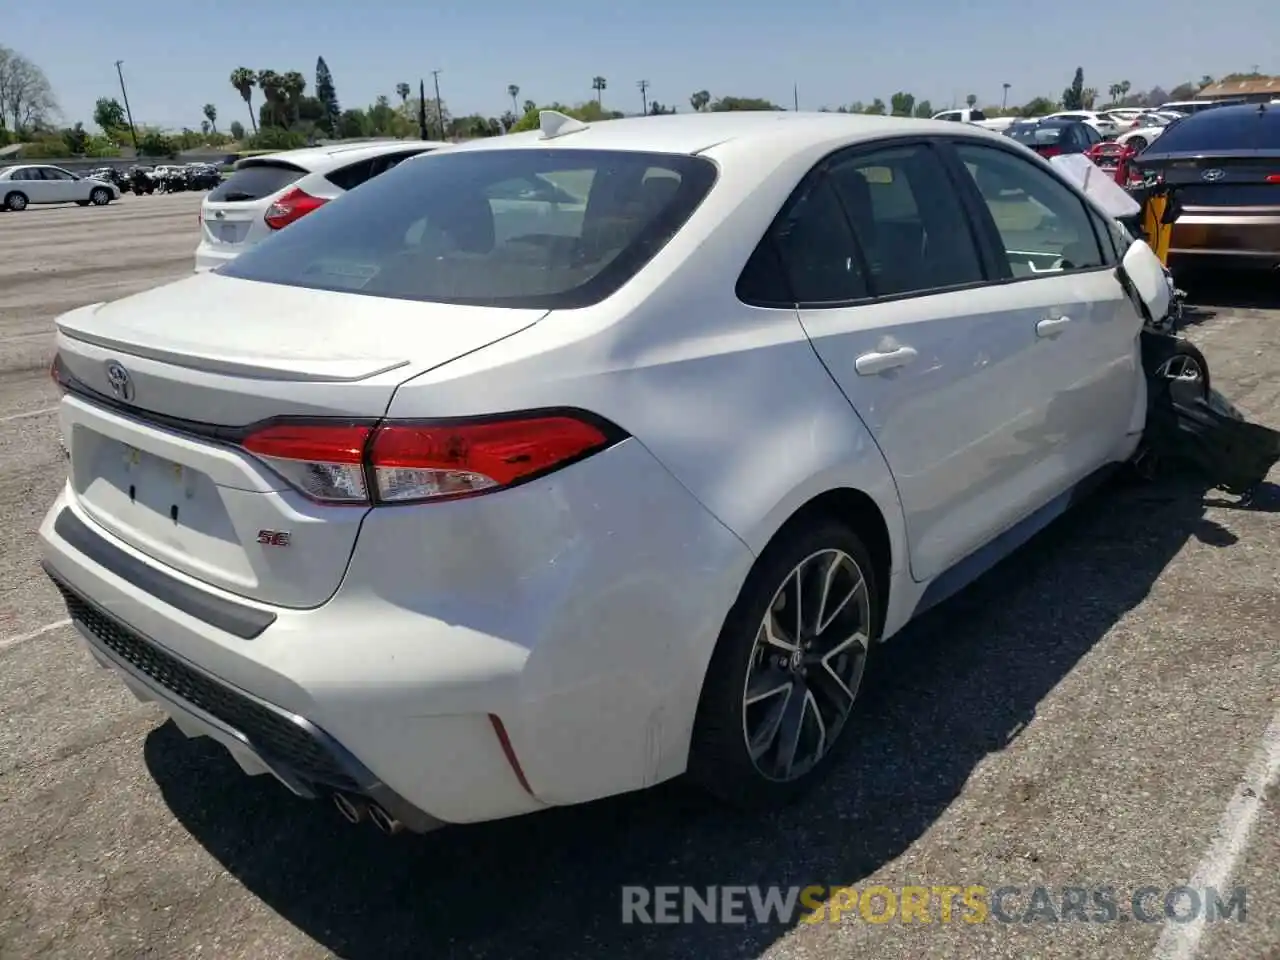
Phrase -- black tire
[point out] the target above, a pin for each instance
(15, 201)
(100, 196)
(1187, 356)
(719, 760)
(1137, 143)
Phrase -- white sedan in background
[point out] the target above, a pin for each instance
(25, 184)
(555, 465)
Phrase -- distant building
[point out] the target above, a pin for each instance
(1257, 90)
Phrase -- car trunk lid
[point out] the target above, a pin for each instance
(163, 386)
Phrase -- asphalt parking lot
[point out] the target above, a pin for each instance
(1102, 711)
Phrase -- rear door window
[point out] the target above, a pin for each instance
(256, 181)
(540, 229)
(908, 221)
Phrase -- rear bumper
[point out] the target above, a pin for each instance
(580, 610)
(1238, 240)
(208, 257)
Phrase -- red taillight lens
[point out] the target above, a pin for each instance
(1273, 178)
(58, 373)
(417, 462)
(426, 462)
(292, 206)
(1050, 151)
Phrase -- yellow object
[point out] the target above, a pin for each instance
(1158, 232)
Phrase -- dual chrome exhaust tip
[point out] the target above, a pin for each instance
(357, 810)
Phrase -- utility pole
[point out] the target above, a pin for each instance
(644, 97)
(795, 96)
(127, 112)
(422, 110)
(435, 75)
(1004, 97)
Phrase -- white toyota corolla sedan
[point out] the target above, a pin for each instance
(560, 464)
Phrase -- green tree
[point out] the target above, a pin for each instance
(876, 108)
(513, 91)
(1038, 107)
(243, 79)
(271, 112)
(109, 115)
(528, 105)
(237, 129)
(328, 98)
(598, 84)
(76, 139)
(730, 104)
(902, 104)
(924, 109)
(292, 85)
(154, 143)
(402, 91)
(699, 101)
(211, 115)
(351, 123)
(1073, 96)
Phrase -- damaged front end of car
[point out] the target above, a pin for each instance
(1192, 425)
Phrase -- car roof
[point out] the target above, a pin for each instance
(773, 134)
(316, 159)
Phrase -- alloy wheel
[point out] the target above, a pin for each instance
(1181, 367)
(806, 665)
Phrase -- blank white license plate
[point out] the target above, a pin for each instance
(230, 232)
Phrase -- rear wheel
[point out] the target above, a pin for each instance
(1137, 143)
(788, 666)
(15, 201)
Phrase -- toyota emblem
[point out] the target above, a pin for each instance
(1212, 176)
(119, 380)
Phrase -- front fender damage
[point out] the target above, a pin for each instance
(1192, 425)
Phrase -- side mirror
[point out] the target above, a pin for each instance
(1145, 274)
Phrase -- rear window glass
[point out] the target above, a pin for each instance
(255, 182)
(1037, 135)
(541, 229)
(977, 115)
(1222, 129)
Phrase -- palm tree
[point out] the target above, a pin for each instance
(402, 91)
(700, 100)
(243, 79)
(513, 91)
(211, 114)
(293, 84)
(269, 83)
(598, 84)
(529, 106)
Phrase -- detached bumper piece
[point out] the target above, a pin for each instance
(1200, 429)
(311, 761)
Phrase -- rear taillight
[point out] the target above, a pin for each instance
(58, 373)
(1273, 178)
(413, 462)
(290, 207)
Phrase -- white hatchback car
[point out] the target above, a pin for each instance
(25, 184)
(556, 465)
(267, 193)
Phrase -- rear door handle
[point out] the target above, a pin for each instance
(870, 364)
(1051, 326)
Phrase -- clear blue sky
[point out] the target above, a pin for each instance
(178, 56)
